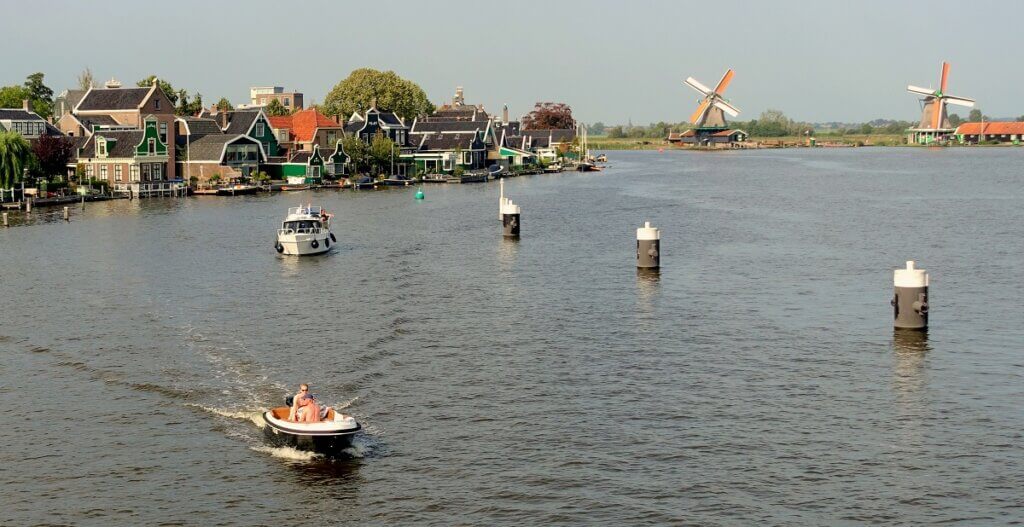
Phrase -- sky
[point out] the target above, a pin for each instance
(611, 61)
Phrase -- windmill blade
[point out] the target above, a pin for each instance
(702, 108)
(702, 89)
(726, 107)
(919, 90)
(722, 84)
(937, 107)
(944, 78)
(959, 101)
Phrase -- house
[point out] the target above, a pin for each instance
(336, 161)
(438, 152)
(252, 122)
(260, 96)
(26, 122)
(210, 146)
(548, 145)
(305, 129)
(514, 150)
(366, 125)
(117, 109)
(999, 131)
(131, 161)
(726, 138)
(304, 166)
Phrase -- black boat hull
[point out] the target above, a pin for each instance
(329, 444)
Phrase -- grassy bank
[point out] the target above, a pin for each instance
(605, 143)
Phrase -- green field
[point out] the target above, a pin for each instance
(598, 143)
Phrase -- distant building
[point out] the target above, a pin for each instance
(260, 96)
(1001, 131)
(25, 122)
(303, 130)
(717, 138)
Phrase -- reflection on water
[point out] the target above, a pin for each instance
(910, 352)
(507, 251)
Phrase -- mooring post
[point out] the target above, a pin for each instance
(6, 223)
(28, 205)
(501, 200)
(910, 298)
(67, 214)
(510, 219)
(648, 247)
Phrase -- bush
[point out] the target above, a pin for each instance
(459, 171)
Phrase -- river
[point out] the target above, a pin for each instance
(756, 380)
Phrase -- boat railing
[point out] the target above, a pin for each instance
(310, 211)
(310, 230)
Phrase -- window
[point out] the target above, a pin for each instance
(259, 129)
(88, 171)
(101, 147)
(158, 172)
(152, 146)
(118, 176)
(103, 172)
(133, 172)
(157, 103)
(332, 137)
(467, 158)
(287, 102)
(145, 171)
(447, 162)
(163, 133)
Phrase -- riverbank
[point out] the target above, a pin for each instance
(598, 143)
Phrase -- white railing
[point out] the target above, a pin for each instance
(311, 230)
(311, 211)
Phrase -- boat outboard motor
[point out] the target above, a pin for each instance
(289, 400)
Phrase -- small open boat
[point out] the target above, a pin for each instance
(329, 437)
(286, 188)
(435, 178)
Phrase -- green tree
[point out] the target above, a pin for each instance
(597, 128)
(164, 86)
(224, 105)
(187, 107)
(975, 115)
(15, 155)
(12, 96)
(380, 151)
(274, 108)
(40, 95)
(364, 86)
(955, 120)
(357, 152)
(616, 132)
(866, 129)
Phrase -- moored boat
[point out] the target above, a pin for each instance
(329, 436)
(397, 181)
(305, 231)
(435, 178)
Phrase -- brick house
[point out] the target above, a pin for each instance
(131, 161)
(303, 130)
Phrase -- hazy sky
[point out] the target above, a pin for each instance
(611, 61)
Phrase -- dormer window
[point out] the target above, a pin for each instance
(101, 147)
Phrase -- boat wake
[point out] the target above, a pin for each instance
(288, 453)
(255, 417)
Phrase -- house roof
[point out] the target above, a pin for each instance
(210, 147)
(420, 127)
(302, 156)
(302, 125)
(17, 114)
(991, 128)
(462, 113)
(447, 141)
(124, 143)
(113, 99)
(390, 118)
(73, 97)
(88, 121)
(556, 135)
(201, 126)
(238, 121)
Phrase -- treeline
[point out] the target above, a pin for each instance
(774, 123)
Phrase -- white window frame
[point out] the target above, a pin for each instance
(151, 146)
(133, 173)
(158, 172)
(118, 173)
(101, 147)
(103, 172)
(163, 132)
(259, 129)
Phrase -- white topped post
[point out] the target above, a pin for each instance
(910, 298)
(510, 219)
(648, 247)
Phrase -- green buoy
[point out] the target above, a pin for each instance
(419, 193)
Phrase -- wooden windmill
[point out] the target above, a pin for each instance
(713, 107)
(934, 119)
(710, 128)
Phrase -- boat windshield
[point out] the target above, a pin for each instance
(301, 225)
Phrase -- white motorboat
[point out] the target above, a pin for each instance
(329, 436)
(305, 231)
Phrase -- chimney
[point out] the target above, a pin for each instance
(223, 120)
(26, 105)
(504, 114)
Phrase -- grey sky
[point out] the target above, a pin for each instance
(611, 61)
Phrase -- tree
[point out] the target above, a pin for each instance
(955, 120)
(164, 86)
(596, 128)
(866, 129)
(975, 115)
(15, 154)
(52, 154)
(274, 108)
(40, 95)
(186, 107)
(224, 105)
(13, 96)
(356, 150)
(616, 132)
(380, 152)
(85, 80)
(365, 86)
(546, 115)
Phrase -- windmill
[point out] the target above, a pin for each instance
(934, 120)
(710, 112)
(710, 128)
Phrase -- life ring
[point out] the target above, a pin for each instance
(315, 244)
(333, 239)
(278, 247)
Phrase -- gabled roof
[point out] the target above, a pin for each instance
(446, 141)
(238, 121)
(72, 97)
(211, 147)
(88, 121)
(111, 99)
(17, 114)
(200, 126)
(991, 128)
(302, 125)
(124, 143)
(420, 127)
(555, 135)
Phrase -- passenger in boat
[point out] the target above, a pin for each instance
(304, 407)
